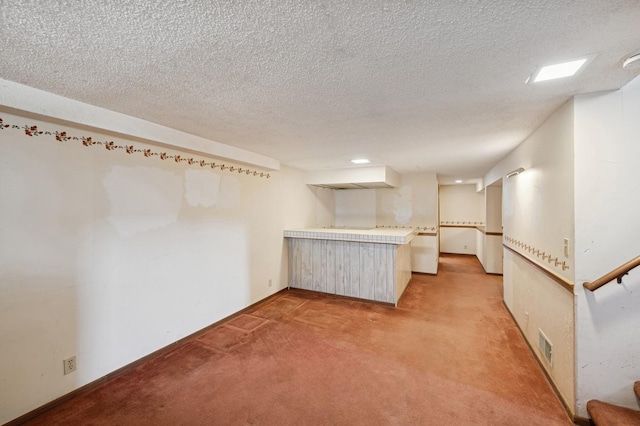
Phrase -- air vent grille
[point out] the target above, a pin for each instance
(545, 347)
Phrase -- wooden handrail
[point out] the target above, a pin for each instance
(616, 274)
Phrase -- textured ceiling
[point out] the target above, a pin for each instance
(434, 86)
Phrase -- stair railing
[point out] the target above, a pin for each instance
(616, 274)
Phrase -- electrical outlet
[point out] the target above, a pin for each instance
(565, 247)
(70, 365)
(270, 283)
(526, 317)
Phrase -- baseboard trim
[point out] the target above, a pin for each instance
(481, 265)
(567, 410)
(403, 292)
(125, 369)
(484, 270)
(355, 299)
(581, 421)
(459, 254)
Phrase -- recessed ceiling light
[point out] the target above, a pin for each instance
(360, 161)
(458, 181)
(564, 69)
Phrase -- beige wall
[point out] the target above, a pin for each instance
(538, 210)
(414, 203)
(607, 206)
(489, 246)
(463, 204)
(493, 208)
(110, 256)
(355, 208)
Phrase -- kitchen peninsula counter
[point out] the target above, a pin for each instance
(373, 264)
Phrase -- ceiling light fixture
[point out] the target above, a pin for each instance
(631, 61)
(458, 181)
(515, 172)
(561, 70)
(360, 161)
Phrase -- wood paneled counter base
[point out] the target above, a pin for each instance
(367, 264)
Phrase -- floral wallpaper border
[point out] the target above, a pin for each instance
(419, 228)
(130, 149)
(555, 262)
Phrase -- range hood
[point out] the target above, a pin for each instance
(357, 178)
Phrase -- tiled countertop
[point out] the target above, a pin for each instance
(376, 235)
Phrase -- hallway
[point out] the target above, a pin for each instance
(449, 354)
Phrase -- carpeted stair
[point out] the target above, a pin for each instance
(604, 414)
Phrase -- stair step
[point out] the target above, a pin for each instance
(636, 389)
(604, 414)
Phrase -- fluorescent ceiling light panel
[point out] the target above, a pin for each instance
(360, 161)
(565, 69)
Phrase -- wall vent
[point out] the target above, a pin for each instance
(545, 347)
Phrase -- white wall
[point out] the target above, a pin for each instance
(414, 203)
(325, 208)
(355, 208)
(460, 205)
(480, 247)
(489, 245)
(110, 256)
(493, 208)
(538, 210)
(539, 303)
(458, 240)
(425, 254)
(607, 206)
(493, 254)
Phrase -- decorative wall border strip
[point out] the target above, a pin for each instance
(419, 228)
(566, 284)
(460, 224)
(130, 149)
(553, 261)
